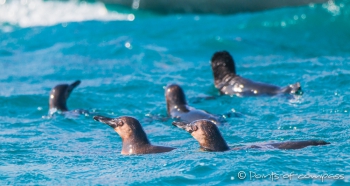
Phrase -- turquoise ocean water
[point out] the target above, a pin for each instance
(125, 59)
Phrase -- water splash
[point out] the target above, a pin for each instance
(28, 13)
(332, 8)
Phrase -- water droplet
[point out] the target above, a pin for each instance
(283, 24)
(136, 4)
(266, 24)
(128, 45)
(131, 17)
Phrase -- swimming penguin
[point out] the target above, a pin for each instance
(228, 82)
(210, 138)
(134, 138)
(59, 95)
(177, 106)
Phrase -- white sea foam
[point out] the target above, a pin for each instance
(27, 13)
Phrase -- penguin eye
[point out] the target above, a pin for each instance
(194, 127)
(120, 123)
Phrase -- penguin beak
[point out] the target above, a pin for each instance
(71, 87)
(74, 85)
(184, 126)
(109, 121)
(179, 124)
